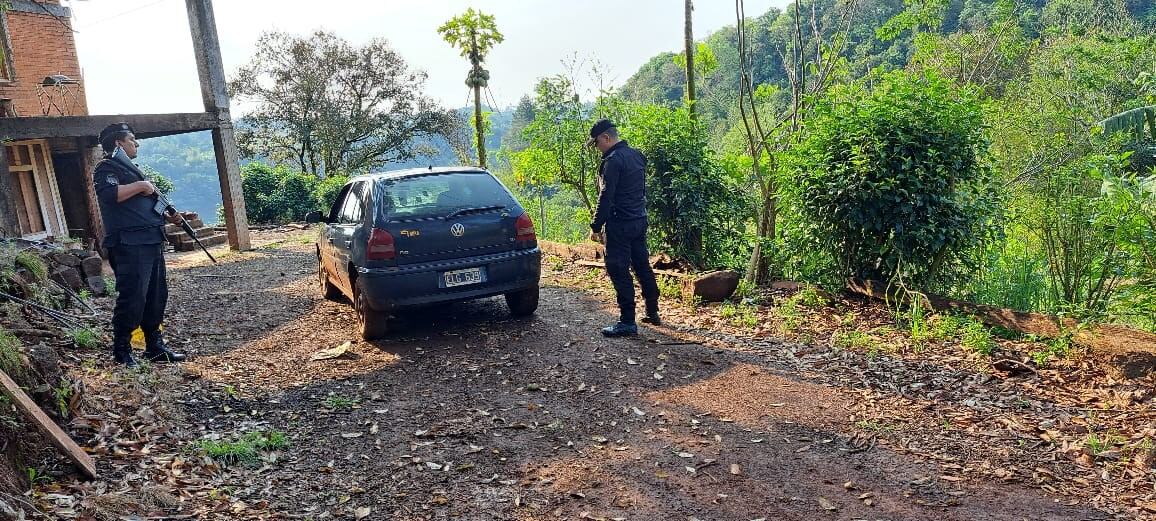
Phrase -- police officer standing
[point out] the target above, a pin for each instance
(622, 211)
(134, 222)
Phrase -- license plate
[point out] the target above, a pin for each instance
(463, 277)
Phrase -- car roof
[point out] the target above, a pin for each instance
(413, 172)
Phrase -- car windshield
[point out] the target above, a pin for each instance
(440, 195)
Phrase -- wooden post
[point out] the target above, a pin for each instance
(89, 158)
(9, 225)
(207, 47)
(49, 428)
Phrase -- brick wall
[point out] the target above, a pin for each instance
(41, 46)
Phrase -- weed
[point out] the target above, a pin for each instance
(810, 297)
(231, 391)
(63, 394)
(36, 477)
(669, 287)
(1098, 445)
(740, 315)
(85, 295)
(788, 314)
(852, 340)
(876, 427)
(337, 401)
(244, 450)
(976, 337)
(557, 264)
(109, 286)
(34, 264)
(273, 245)
(745, 290)
(1055, 348)
(11, 360)
(84, 338)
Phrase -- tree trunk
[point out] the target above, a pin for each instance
(478, 125)
(689, 40)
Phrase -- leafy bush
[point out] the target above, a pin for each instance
(893, 180)
(327, 191)
(277, 194)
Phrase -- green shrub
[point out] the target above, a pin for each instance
(893, 180)
(244, 450)
(327, 191)
(34, 264)
(976, 337)
(84, 338)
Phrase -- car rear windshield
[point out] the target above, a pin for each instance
(440, 195)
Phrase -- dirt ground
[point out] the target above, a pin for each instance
(466, 413)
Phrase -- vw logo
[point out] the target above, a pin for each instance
(458, 230)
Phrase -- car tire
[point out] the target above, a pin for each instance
(328, 290)
(523, 303)
(371, 324)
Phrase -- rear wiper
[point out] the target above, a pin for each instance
(461, 211)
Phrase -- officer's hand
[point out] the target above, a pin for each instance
(146, 187)
(173, 218)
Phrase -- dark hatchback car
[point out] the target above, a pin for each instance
(424, 236)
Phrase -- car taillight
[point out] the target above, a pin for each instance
(525, 229)
(380, 246)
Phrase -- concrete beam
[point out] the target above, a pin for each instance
(145, 125)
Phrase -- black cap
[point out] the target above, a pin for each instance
(599, 128)
(113, 129)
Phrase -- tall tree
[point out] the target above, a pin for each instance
(329, 106)
(688, 40)
(475, 33)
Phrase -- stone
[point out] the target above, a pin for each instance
(66, 259)
(93, 266)
(716, 286)
(96, 286)
(67, 276)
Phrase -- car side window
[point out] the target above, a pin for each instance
(338, 204)
(353, 209)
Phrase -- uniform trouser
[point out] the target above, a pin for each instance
(626, 249)
(142, 288)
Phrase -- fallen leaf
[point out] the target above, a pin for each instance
(736, 469)
(362, 512)
(329, 354)
(827, 505)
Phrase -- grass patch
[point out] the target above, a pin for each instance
(669, 287)
(852, 340)
(63, 394)
(11, 360)
(1054, 349)
(84, 338)
(976, 337)
(34, 264)
(788, 314)
(337, 401)
(810, 297)
(109, 286)
(740, 315)
(245, 450)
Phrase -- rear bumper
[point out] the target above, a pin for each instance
(387, 289)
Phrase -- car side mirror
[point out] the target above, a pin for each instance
(313, 217)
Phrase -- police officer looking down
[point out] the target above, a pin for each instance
(622, 211)
(134, 222)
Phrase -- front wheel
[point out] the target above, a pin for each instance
(523, 303)
(371, 324)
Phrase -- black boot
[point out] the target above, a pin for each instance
(157, 351)
(652, 314)
(122, 352)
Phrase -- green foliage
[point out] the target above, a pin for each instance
(327, 191)
(337, 401)
(669, 287)
(84, 338)
(277, 194)
(63, 394)
(33, 263)
(691, 193)
(894, 180)
(977, 337)
(163, 184)
(245, 450)
(473, 32)
(740, 315)
(11, 358)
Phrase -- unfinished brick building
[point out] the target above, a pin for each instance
(49, 138)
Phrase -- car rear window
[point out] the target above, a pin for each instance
(439, 195)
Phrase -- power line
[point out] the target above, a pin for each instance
(118, 15)
(58, 20)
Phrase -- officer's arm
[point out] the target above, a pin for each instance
(126, 192)
(610, 176)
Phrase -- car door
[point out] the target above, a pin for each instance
(343, 232)
(325, 244)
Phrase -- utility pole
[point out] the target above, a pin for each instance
(689, 40)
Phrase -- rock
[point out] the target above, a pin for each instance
(67, 276)
(96, 286)
(66, 259)
(46, 361)
(716, 286)
(93, 266)
(80, 254)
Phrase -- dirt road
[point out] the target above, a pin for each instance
(465, 413)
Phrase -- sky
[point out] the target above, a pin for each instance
(158, 74)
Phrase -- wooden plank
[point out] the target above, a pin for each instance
(211, 70)
(145, 125)
(57, 436)
(667, 273)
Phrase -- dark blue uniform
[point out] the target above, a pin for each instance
(622, 210)
(134, 238)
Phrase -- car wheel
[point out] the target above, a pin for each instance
(371, 324)
(328, 290)
(523, 303)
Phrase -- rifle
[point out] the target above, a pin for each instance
(171, 210)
